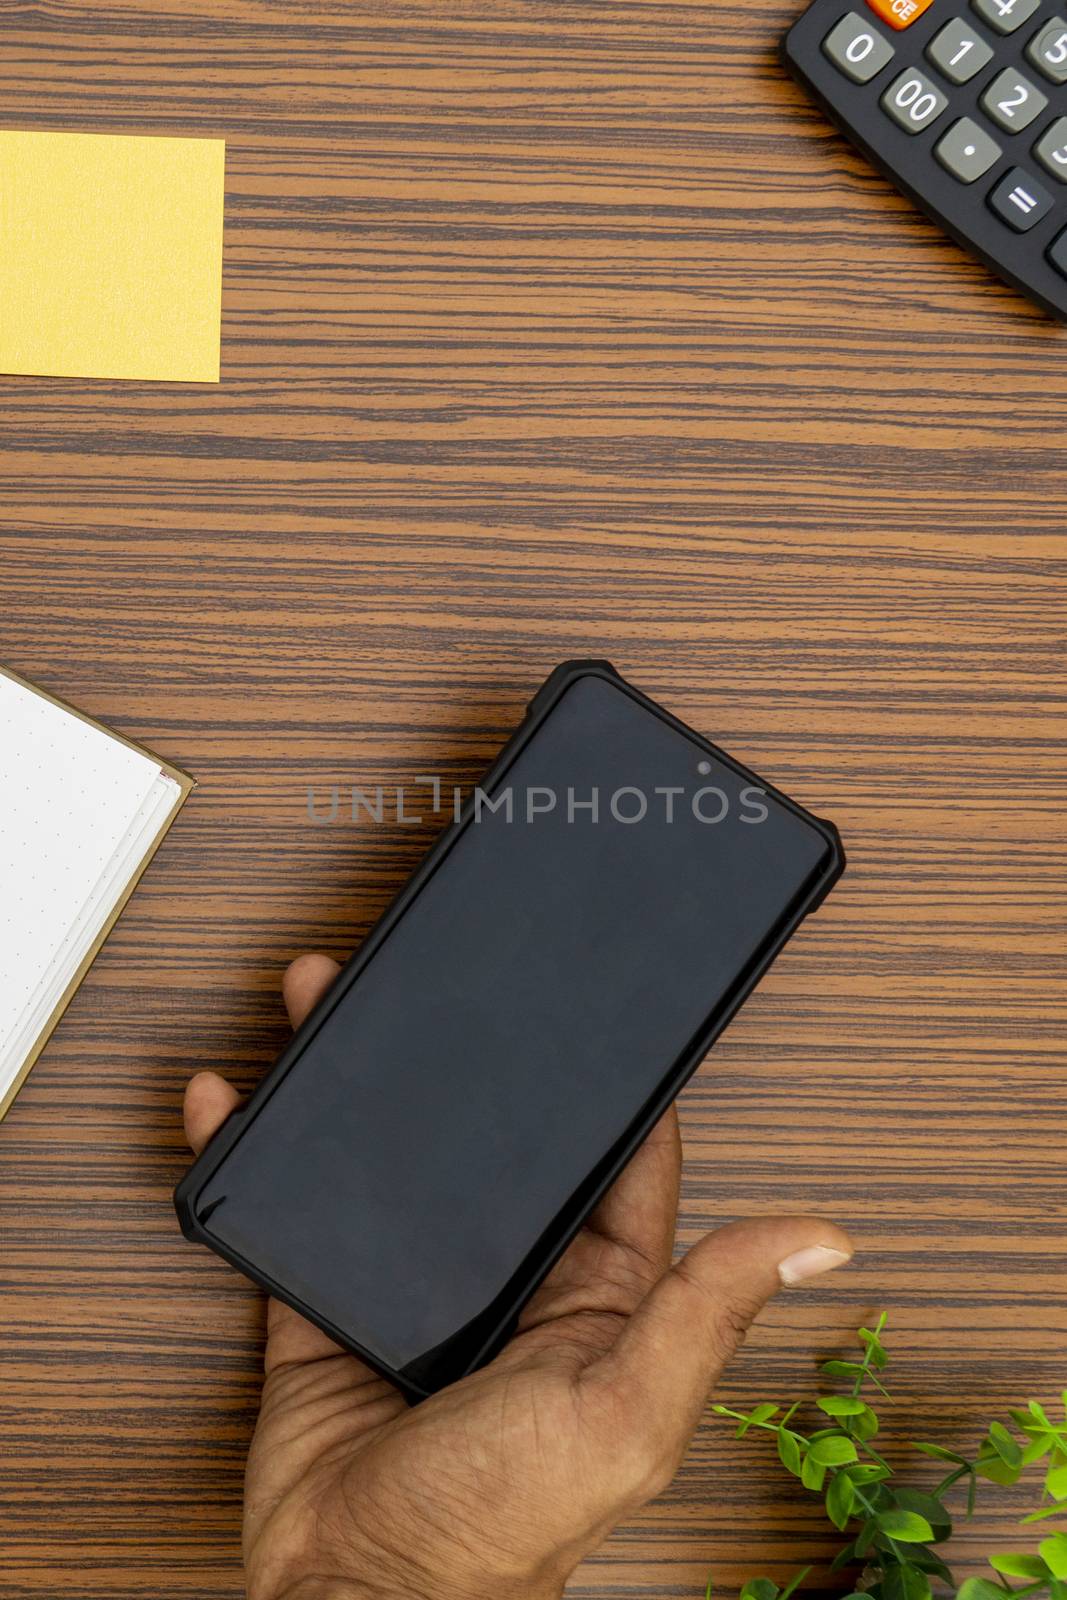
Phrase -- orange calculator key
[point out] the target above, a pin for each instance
(899, 13)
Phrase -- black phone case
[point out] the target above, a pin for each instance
(194, 1223)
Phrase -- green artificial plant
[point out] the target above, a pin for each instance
(894, 1532)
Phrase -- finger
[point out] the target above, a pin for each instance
(674, 1347)
(640, 1210)
(209, 1100)
(305, 982)
(292, 1341)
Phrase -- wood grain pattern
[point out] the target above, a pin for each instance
(551, 327)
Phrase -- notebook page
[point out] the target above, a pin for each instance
(157, 806)
(68, 795)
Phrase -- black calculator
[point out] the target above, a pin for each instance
(963, 105)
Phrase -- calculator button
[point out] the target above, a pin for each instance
(899, 13)
(957, 52)
(857, 49)
(967, 151)
(1051, 149)
(913, 101)
(1005, 15)
(1020, 200)
(1012, 100)
(1048, 50)
(1057, 252)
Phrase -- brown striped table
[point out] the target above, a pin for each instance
(551, 327)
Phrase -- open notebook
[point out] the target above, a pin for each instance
(81, 813)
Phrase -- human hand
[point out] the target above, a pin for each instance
(496, 1488)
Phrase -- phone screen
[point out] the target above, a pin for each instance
(441, 1129)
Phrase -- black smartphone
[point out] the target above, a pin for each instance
(513, 1026)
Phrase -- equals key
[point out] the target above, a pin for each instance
(1019, 200)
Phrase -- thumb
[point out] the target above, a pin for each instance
(675, 1346)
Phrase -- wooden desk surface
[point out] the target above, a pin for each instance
(549, 329)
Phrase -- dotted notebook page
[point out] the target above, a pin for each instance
(68, 795)
(160, 803)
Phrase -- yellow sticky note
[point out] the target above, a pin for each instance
(111, 256)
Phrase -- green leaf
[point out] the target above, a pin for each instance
(1016, 1564)
(834, 1450)
(789, 1451)
(878, 1498)
(939, 1453)
(1054, 1554)
(842, 1369)
(840, 1498)
(979, 1589)
(865, 1426)
(1005, 1445)
(844, 1557)
(875, 1349)
(907, 1526)
(760, 1413)
(812, 1473)
(707, 1591)
(1039, 1446)
(1046, 1512)
(841, 1405)
(997, 1470)
(928, 1506)
(759, 1589)
(866, 1537)
(928, 1561)
(905, 1582)
(868, 1472)
(794, 1583)
(1056, 1481)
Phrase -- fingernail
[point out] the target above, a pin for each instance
(809, 1262)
